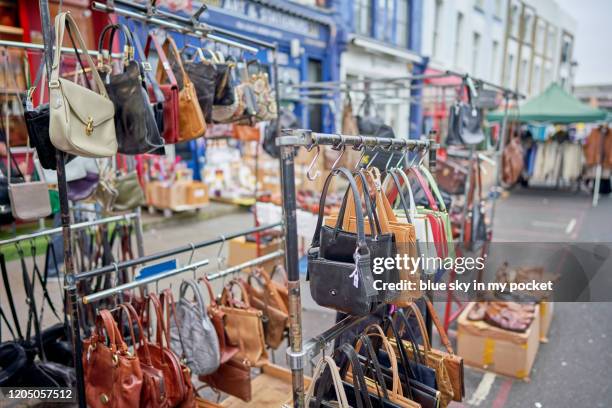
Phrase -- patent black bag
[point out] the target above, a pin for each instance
(339, 263)
(203, 75)
(135, 126)
(465, 123)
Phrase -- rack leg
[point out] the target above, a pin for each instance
(73, 309)
(291, 255)
(139, 233)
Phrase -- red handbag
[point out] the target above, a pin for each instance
(171, 94)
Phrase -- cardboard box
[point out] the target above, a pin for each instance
(196, 193)
(504, 352)
(241, 251)
(546, 314)
(180, 193)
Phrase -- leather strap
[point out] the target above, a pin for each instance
(327, 362)
(425, 187)
(167, 301)
(434, 187)
(132, 316)
(9, 296)
(8, 325)
(163, 60)
(171, 49)
(43, 283)
(361, 242)
(146, 67)
(211, 293)
(436, 321)
(342, 221)
(374, 367)
(47, 33)
(406, 364)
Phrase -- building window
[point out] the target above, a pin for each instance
(540, 36)
(514, 20)
(535, 80)
(498, 8)
(388, 21)
(479, 4)
(475, 53)
(494, 52)
(509, 69)
(523, 80)
(436, 29)
(551, 42)
(363, 17)
(403, 13)
(527, 27)
(458, 39)
(566, 49)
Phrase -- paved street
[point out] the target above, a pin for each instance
(574, 365)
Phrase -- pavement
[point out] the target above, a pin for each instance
(570, 370)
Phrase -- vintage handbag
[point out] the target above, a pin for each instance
(130, 194)
(244, 325)
(203, 74)
(339, 262)
(475, 227)
(170, 90)
(217, 316)
(176, 375)
(266, 102)
(383, 226)
(224, 86)
(442, 213)
(191, 118)
(512, 161)
(340, 400)
(192, 334)
(29, 199)
(135, 124)
(81, 120)
(153, 384)
(233, 377)
(83, 188)
(113, 377)
(106, 193)
(265, 298)
(465, 125)
(451, 176)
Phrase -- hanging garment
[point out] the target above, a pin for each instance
(593, 153)
(572, 162)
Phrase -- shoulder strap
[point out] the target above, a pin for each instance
(163, 60)
(146, 67)
(434, 187)
(9, 296)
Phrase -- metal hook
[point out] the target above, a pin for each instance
(342, 148)
(357, 147)
(312, 163)
(389, 161)
(191, 258)
(220, 257)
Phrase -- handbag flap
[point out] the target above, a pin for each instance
(76, 96)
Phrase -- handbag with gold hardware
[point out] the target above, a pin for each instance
(82, 121)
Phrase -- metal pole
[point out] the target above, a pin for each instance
(432, 162)
(247, 264)
(295, 352)
(175, 251)
(139, 233)
(70, 284)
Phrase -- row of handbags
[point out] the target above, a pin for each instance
(135, 113)
(340, 260)
(386, 367)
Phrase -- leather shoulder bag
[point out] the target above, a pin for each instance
(191, 118)
(339, 262)
(135, 124)
(169, 89)
(81, 121)
(203, 74)
(192, 333)
(244, 325)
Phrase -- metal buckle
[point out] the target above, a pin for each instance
(147, 66)
(54, 83)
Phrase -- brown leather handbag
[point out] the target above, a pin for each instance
(177, 376)
(233, 377)
(512, 161)
(113, 377)
(153, 384)
(244, 325)
(263, 296)
(451, 176)
(191, 118)
(217, 316)
(170, 91)
(282, 287)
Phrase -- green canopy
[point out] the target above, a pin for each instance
(554, 105)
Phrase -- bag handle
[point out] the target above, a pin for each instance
(132, 316)
(160, 331)
(163, 60)
(377, 370)
(227, 296)
(425, 187)
(377, 208)
(65, 21)
(146, 67)
(406, 180)
(343, 220)
(211, 293)
(421, 323)
(361, 242)
(330, 364)
(406, 365)
(434, 187)
(193, 285)
(436, 321)
(9, 296)
(376, 177)
(171, 49)
(360, 388)
(402, 199)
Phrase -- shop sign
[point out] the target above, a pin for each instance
(259, 14)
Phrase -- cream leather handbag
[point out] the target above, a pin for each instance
(81, 120)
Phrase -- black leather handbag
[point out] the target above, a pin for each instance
(135, 126)
(339, 262)
(465, 123)
(372, 124)
(224, 87)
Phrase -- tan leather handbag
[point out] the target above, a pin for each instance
(244, 325)
(263, 296)
(341, 400)
(81, 120)
(191, 118)
(113, 377)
